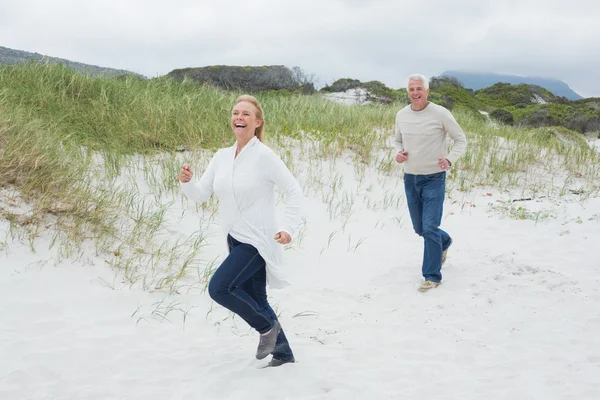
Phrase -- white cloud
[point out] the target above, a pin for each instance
(369, 40)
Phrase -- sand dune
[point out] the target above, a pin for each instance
(516, 316)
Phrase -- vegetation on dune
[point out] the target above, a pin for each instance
(528, 106)
(63, 111)
(579, 119)
(376, 90)
(503, 116)
(505, 95)
(449, 92)
(77, 149)
(131, 115)
(53, 120)
(478, 81)
(532, 106)
(253, 79)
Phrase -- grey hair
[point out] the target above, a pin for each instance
(418, 77)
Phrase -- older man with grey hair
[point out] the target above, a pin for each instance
(422, 130)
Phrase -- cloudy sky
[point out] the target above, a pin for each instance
(383, 40)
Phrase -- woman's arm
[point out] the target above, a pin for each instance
(281, 176)
(201, 190)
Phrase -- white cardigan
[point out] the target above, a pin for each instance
(244, 186)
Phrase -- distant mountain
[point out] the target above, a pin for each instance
(12, 57)
(476, 81)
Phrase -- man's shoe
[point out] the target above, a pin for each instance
(267, 342)
(427, 285)
(445, 252)
(276, 362)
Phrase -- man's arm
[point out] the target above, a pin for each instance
(456, 134)
(399, 143)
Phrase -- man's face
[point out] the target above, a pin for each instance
(417, 95)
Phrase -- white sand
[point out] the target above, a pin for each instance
(517, 315)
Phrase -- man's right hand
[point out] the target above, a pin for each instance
(185, 175)
(402, 156)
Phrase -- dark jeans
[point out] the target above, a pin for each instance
(240, 285)
(425, 199)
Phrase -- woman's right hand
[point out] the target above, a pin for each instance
(185, 175)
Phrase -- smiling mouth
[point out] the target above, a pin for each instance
(240, 125)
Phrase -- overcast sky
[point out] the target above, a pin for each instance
(383, 40)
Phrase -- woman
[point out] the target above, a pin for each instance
(243, 178)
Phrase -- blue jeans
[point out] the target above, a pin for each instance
(425, 199)
(240, 285)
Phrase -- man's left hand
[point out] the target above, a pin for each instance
(444, 164)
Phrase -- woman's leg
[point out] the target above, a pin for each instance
(226, 287)
(256, 287)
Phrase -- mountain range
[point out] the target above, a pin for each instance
(480, 80)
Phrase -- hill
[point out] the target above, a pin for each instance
(13, 57)
(476, 81)
(505, 95)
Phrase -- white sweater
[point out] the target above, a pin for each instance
(245, 189)
(424, 135)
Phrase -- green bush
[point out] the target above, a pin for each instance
(249, 79)
(441, 100)
(378, 89)
(449, 92)
(505, 94)
(539, 117)
(583, 123)
(341, 85)
(437, 82)
(503, 116)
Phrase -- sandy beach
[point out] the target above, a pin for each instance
(516, 316)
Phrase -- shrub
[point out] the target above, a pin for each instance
(341, 85)
(538, 118)
(505, 94)
(583, 123)
(561, 100)
(447, 91)
(378, 89)
(441, 100)
(437, 82)
(251, 79)
(503, 116)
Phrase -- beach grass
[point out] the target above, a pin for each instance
(94, 160)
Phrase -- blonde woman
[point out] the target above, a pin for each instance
(243, 177)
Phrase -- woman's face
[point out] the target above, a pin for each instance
(244, 121)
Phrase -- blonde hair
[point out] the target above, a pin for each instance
(259, 132)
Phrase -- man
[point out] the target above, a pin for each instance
(422, 129)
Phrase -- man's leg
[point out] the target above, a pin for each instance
(413, 200)
(433, 192)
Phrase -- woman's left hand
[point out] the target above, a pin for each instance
(283, 237)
